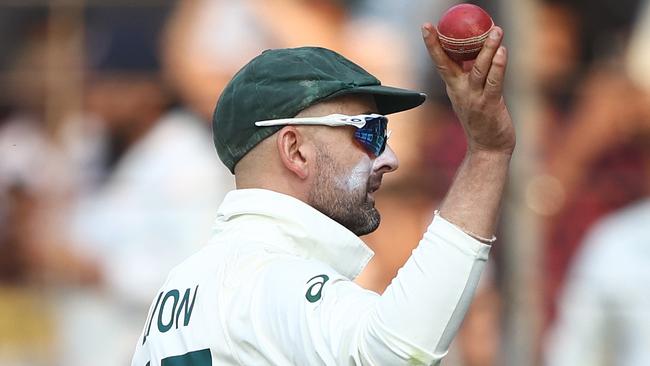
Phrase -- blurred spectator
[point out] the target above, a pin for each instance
(32, 171)
(603, 315)
(603, 312)
(588, 138)
(595, 168)
(29, 158)
(130, 158)
(151, 185)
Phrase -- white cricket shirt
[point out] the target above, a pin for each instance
(274, 287)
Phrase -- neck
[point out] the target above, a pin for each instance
(275, 184)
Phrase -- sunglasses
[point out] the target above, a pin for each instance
(372, 132)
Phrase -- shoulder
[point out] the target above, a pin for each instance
(287, 277)
(283, 281)
(303, 290)
(205, 264)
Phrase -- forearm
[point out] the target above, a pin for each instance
(474, 199)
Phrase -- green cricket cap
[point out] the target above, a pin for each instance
(280, 83)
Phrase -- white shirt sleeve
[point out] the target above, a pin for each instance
(331, 320)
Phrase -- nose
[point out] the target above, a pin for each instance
(386, 162)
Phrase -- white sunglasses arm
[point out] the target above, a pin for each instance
(330, 120)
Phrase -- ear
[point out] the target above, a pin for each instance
(293, 151)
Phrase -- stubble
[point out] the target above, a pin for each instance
(343, 197)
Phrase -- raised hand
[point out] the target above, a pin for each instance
(477, 94)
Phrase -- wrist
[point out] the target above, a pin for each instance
(477, 237)
(489, 156)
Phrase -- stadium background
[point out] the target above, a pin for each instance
(108, 177)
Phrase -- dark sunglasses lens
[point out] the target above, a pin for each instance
(373, 135)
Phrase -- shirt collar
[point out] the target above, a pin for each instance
(305, 231)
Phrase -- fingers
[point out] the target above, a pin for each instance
(486, 73)
(448, 69)
(494, 80)
(482, 65)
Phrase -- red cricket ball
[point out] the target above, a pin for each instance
(462, 30)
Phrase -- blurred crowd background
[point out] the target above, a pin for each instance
(108, 175)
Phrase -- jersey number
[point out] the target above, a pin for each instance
(196, 358)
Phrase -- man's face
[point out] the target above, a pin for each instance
(347, 175)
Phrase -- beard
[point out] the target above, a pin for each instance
(351, 207)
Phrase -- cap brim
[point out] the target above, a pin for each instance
(389, 99)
